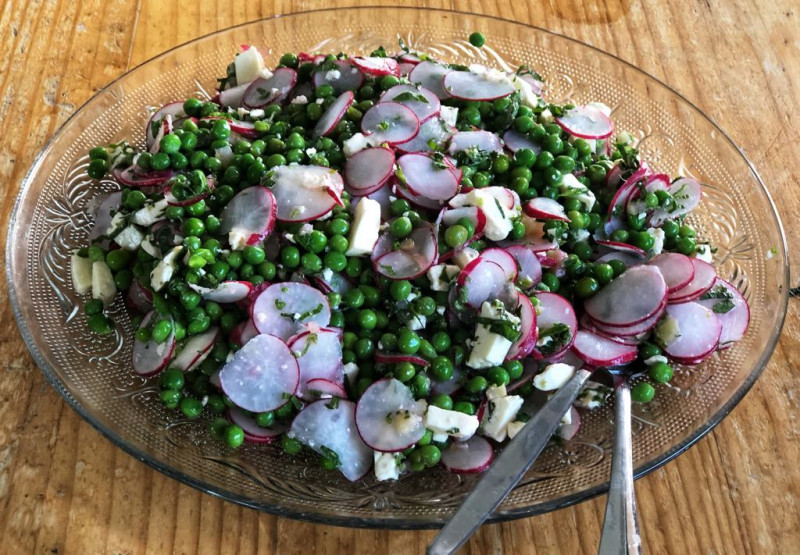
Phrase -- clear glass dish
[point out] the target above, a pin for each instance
(93, 374)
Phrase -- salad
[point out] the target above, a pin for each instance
(390, 260)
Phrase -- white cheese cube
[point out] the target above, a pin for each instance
(465, 256)
(453, 423)
(366, 226)
(386, 467)
(526, 95)
(490, 349)
(495, 392)
(439, 438)
(417, 322)
(498, 218)
(499, 413)
(148, 247)
(117, 223)
(162, 273)
(299, 99)
(333, 74)
(103, 286)
(554, 377)
(81, 269)
(129, 238)
(655, 360)
(514, 428)
(570, 186)
(151, 213)
(351, 372)
(546, 117)
(357, 143)
(441, 275)
(449, 115)
(658, 240)
(567, 418)
(248, 65)
(237, 238)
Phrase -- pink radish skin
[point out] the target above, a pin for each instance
(483, 280)
(350, 78)
(233, 97)
(134, 176)
(544, 208)
(504, 259)
(480, 140)
(305, 193)
(320, 388)
(276, 309)
(246, 129)
(262, 375)
(431, 76)
(620, 200)
(434, 129)
(702, 281)
(417, 200)
(466, 85)
(423, 110)
(334, 114)
(554, 309)
(416, 254)
(390, 122)
(622, 247)
(368, 170)
(384, 405)
(173, 109)
(389, 358)
(700, 331)
(629, 259)
(263, 91)
(253, 433)
(734, 322)
(150, 357)
(320, 424)
(470, 457)
(633, 330)
(472, 213)
(676, 268)
(243, 332)
(514, 140)
(599, 351)
(425, 178)
(687, 194)
(195, 350)
(587, 324)
(569, 431)
(319, 356)
(586, 122)
(374, 65)
(530, 269)
(628, 299)
(251, 214)
(523, 346)
(614, 177)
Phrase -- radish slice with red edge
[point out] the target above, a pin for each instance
(282, 309)
(469, 457)
(466, 85)
(319, 356)
(545, 209)
(345, 77)
(422, 202)
(243, 332)
(404, 69)
(367, 170)
(676, 268)
(101, 210)
(687, 194)
(253, 433)
(431, 76)
(390, 358)
(433, 135)
(523, 346)
(320, 388)
(483, 141)
(155, 124)
(480, 281)
(514, 140)
(620, 199)
(657, 182)
(428, 177)
(226, 292)
(246, 129)
(388, 418)
(334, 114)
(232, 98)
(622, 247)
(390, 122)
(416, 254)
(628, 299)
(588, 324)
(553, 309)
(735, 320)
(629, 259)
(699, 334)
(471, 213)
(134, 176)
(336, 282)
(530, 269)
(262, 375)
(328, 425)
(249, 216)
(139, 298)
(374, 65)
(195, 350)
(569, 431)
(599, 351)
(702, 281)
(504, 259)
(420, 100)
(586, 122)
(151, 357)
(305, 193)
(632, 331)
(263, 91)
(614, 177)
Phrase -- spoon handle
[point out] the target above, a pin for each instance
(516, 458)
(620, 527)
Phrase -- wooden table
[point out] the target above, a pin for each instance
(65, 489)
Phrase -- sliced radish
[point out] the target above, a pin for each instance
(345, 77)
(657, 182)
(676, 268)
(390, 122)
(514, 140)
(620, 200)
(101, 212)
(628, 299)
(632, 331)
(586, 122)
(383, 197)
(622, 247)
(390, 358)
(250, 215)
(629, 259)
(736, 320)
(469, 457)
(368, 170)
(420, 100)
(530, 269)
(404, 68)
(226, 292)
(262, 375)
(282, 309)
(699, 334)
(569, 431)
(554, 309)
(483, 141)
(319, 356)
(471, 213)
(243, 332)
(320, 388)
(702, 281)
(687, 194)
(599, 351)
(523, 346)
(374, 65)
(334, 114)
(232, 98)
(246, 129)
(134, 176)
(195, 350)
(155, 125)
(305, 193)
(614, 177)
(545, 208)
(388, 418)
(254, 433)
(264, 91)
(417, 200)
(335, 282)
(588, 324)
(331, 425)
(466, 85)
(151, 357)
(415, 255)
(139, 298)
(427, 177)
(480, 281)
(431, 76)
(504, 259)
(433, 135)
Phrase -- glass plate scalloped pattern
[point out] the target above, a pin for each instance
(93, 374)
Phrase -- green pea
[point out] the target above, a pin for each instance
(442, 401)
(98, 153)
(408, 341)
(620, 236)
(441, 341)
(364, 348)
(649, 350)
(353, 268)
(253, 255)
(456, 236)
(618, 266)
(400, 290)
(661, 372)
(97, 168)
(171, 398)
(290, 445)
(404, 371)
(234, 436)
(583, 249)
(514, 369)
(290, 256)
(123, 279)
(642, 392)
(603, 273)
(367, 319)
(171, 378)
(354, 298)
(160, 161)
(192, 106)
(161, 331)
(170, 143)
(465, 407)
(388, 81)
(477, 384)
(497, 375)
(191, 408)
(401, 227)
(93, 306)
(477, 39)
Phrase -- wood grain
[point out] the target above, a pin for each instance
(65, 489)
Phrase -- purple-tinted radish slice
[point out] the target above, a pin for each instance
(632, 331)
(374, 65)
(586, 122)
(319, 356)
(676, 268)
(225, 292)
(155, 124)
(657, 182)
(368, 170)
(628, 299)
(630, 260)
(409, 58)
(472, 213)
(480, 281)
(553, 309)
(249, 217)
(431, 76)
(622, 247)
(404, 69)
(569, 431)
(599, 351)
(483, 141)
(345, 77)
(426, 177)
(262, 375)
(253, 433)
(390, 122)
(466, 85)
(391, 358)
(504, 259)
(734, 320)
(283, 309)
(335, 282)
(243, 332)
(687, 194)
(232, 98)
(325, 425)
(320, 388)
(134, 176)
(195, 350)
(702, 281)
(305, 193)
(420, 100)
(416, 254)
(139, 298)
(545, 209)
(523, 346)
(530, 269)
(417, 200)
(388, 418)
(514, 140)
(150, 357)
(588, 324)
(101, 211)
(264, 91)
(433, 135)
(699, 331)
(334, 114)
(470, 457)
(246, 129)
(616, 208)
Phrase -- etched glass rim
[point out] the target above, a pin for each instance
(368, 522)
